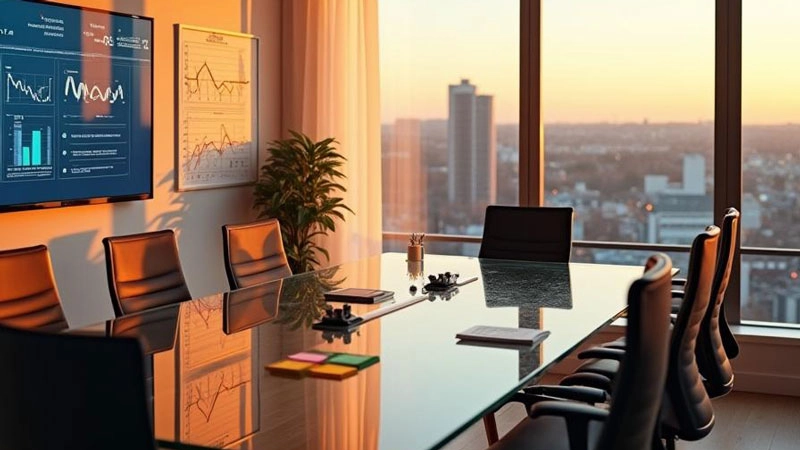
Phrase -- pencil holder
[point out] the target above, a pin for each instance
(416, 252)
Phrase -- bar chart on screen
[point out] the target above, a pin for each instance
(29, 148)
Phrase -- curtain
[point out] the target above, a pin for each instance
(331, 88)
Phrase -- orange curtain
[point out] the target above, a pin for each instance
(331, 88)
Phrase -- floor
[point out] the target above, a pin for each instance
(744, 421)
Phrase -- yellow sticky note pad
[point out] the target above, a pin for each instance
(289, 368)
(332, 371)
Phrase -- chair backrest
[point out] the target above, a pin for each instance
(527, 233)
(254, 253)
(639, 384)
(688, 413)
(144, 271)
(62, 391)
(28, 292)
(712, 351)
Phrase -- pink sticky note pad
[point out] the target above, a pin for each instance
(312, 357)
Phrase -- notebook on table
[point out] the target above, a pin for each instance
(289, 368)
(332, 371)
(311, 357)
(358, 361)
(356, 295)
(502, 335)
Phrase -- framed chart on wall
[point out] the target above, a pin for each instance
(217, 101)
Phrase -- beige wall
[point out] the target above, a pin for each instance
(74, 234)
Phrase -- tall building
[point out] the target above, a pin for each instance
(471, 147)
(404, 178)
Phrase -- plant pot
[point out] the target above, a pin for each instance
(416, 252)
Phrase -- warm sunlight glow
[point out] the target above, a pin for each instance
(427, 45)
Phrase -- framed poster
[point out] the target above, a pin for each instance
(217, 99)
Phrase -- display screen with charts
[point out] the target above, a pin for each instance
(75, 106)
(217, 108)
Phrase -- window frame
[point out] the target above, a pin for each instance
(727, 151)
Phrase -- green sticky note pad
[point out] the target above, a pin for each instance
(357, 361)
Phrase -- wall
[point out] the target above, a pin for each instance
(75, 234)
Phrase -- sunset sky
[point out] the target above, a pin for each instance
(609, 61)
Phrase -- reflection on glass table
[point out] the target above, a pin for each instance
(211, 388)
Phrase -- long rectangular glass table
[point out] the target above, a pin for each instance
(210, 388)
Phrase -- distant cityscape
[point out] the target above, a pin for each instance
(631, 182)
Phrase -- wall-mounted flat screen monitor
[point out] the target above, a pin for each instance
(76, 106)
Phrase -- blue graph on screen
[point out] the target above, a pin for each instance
(75, 105)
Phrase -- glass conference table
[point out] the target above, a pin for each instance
(210, 387)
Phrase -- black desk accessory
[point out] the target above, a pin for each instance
(442, 282)
(342, 319)
(338, 319)
(445, 282)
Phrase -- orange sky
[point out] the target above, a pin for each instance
(609, 61)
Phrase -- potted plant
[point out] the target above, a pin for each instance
(299, 186)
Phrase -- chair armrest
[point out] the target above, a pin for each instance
(588, 379)
(577, 416)
(619, 343)
(603, 353)
(577, 393)
(678, 281)
(568, 410)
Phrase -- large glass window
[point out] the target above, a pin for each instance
(628, 104)
(450, 114)
(770, 160)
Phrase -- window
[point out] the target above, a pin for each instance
(627, 99)
(450, 109)
(770, 161)
(628, 104)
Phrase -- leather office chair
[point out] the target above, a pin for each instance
(715, 342)
(28, 292)
(632, 417)
(715, 338)
(687, 412)
(254, 253)
(603, 360)
(527, 233)
(63, 392)
(144, 271)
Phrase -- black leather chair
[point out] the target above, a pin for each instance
(630, 421)
(527, 233)
(254, 253)
(687, 412)
(144, 271)
(715, 338)
(28, 292)
(603, 360)
(64, 392)
(715, 342)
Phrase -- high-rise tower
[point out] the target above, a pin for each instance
(471, 148)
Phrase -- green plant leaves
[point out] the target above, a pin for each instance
(298, 186)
